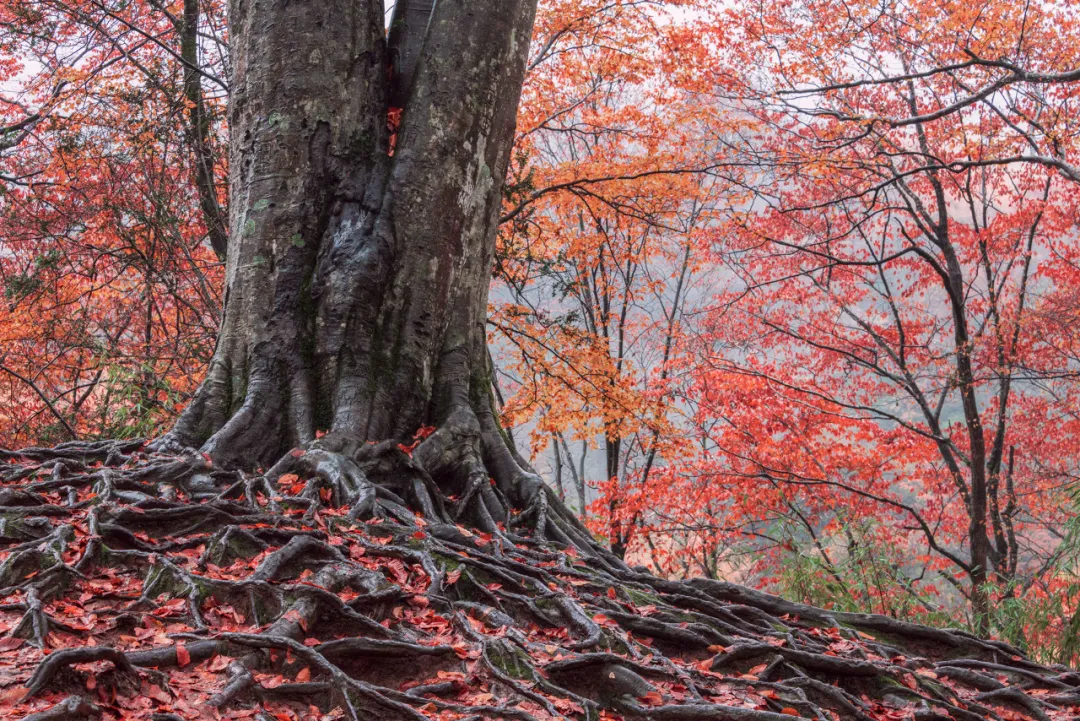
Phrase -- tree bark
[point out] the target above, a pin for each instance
(357, 278)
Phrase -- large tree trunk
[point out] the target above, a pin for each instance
(359, 264)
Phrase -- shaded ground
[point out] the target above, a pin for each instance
(152, 586)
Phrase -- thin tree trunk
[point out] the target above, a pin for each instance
(578, 477)
(558, 469)
(199, 130)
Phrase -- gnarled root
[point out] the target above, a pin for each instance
(406, 586)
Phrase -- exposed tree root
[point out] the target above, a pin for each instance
(359, 581)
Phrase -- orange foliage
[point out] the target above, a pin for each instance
(110, 296)
(889, 362)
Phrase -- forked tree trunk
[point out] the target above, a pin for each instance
(358, 266)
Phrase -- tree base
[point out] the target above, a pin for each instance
(358, 580)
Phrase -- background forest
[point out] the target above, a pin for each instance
(786, 293)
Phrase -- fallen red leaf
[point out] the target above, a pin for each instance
(183, 658)
(652, 698)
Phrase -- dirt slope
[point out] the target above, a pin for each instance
(153, 587)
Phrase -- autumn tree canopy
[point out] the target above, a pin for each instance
(817, 359)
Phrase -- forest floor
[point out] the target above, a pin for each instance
(141, 586)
